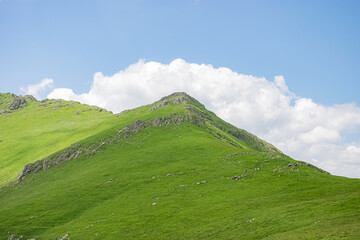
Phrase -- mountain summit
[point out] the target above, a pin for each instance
(167, 170)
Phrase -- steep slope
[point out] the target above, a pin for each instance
(31, 130)
(173, 170)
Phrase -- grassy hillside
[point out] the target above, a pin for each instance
(35, 129)
(173, 170)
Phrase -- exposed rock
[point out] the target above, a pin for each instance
(165, 102)
(17, 102)
(76, 113)
(275, 155)
(75, 150)
(66, 236)
(298, 164)
(68, 154)
(12, 237)
(316, 168)
(239, 153)
(294, 164)
(110, 180)
(30, 98)
(250, 220)
(238, 177)
(136, 126)
(156, 122)
(202, 182)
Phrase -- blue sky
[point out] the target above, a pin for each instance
(291, 71)
(313, 44)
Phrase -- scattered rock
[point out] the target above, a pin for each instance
(274, 156)
(169, 174)
(76, 113)
(294, 164)
(202, 182)
(110, 180)
(238, 177)
(12, 237)
(297, 164)
(239, 153)
(153, 204)
(64, 237)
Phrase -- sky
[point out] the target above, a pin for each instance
(287, 71)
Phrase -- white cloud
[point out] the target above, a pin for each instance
(298, 126)
(37, 89)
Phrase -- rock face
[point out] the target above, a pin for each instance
(17, 102)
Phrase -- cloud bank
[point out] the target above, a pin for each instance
(301, 128)
(37, 89)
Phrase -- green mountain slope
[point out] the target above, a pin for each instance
(31, 130)
(172, 170)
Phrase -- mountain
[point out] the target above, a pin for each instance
(167, 170)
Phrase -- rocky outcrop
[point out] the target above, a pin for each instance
(17, 102)
(70, 153)
(30, 98)
(298, 164)
(239, 153)
(316, 168)
(165, 102)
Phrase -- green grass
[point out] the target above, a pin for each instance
(41, 129)
(111, 194)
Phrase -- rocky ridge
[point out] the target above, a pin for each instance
(195, 113)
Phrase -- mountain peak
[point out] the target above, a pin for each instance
(197, 114)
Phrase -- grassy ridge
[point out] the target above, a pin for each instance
(175, 182)
(42, 128)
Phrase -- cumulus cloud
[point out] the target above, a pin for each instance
(300, 127)
(39, 88)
